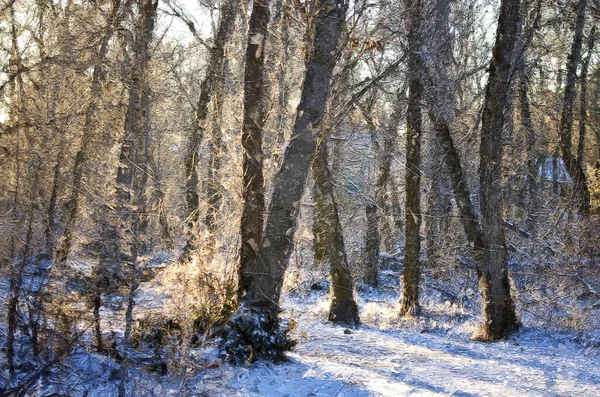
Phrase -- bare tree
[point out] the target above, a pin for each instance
(573, 165)
(409, 303)
(211, 81)
(252, 220)
(98, 77)
(263, 284)
(498, 306)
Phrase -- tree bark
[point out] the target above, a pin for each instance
(583, 107)
(98, 77)
(572, 164)
(498, 307)
(330, 239)
(253, 194)
(264, 287)
(214, 74)
(132, 176)
(409, 303)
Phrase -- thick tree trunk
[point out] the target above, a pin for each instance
(265, 285)
(253, 194)
(581, 192)
(98, 77)
(498, 307)
(487, 238)
(259, 305)
(409, 303)
(214, 74)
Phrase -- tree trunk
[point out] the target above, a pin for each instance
(572, 164)
(499, 311)
(132, 175)
(439, 205)
(98, 77)
(265, 285)
(532, 201)
(409, 303)
(330, 237)
(487, 238)
(372, 241)
(214, 74)
(583, 107)
(253, 194)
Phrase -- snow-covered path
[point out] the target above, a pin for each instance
(374, 362)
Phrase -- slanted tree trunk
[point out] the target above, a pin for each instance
(98, 77)
(343, 308)
(498, 307)
(263, 284)
(581, 192)
(289, 181)
(409, 303)
(214, 74)
(253, 194)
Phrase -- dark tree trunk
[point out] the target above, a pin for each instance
(372, 241)
(214, 74)
(498, 307)
(265, 285)
(439, 205)
(487, 238)
(98, 77)
(409, 303)
(572, 164)
(343, 308)
(253, 194)
(583, 107)
(532, 201)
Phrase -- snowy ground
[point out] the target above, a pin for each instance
(386, 356)
(375, 362)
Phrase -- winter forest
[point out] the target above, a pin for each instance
(299, 198)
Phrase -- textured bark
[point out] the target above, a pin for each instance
(330, 237)
(409, 303)
(581, 192)
(439, 204)
(264, 285)
(214, 74)
(132, 175)
(372, 244)
(532, 177)
(583, 106)
(98, 77)
(253, 194)
(498, 307)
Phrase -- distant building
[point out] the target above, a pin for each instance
(553, 169)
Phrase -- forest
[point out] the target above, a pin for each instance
(299, 198)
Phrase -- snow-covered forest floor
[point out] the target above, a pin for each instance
(385, 356)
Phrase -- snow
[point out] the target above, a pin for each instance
(386, 356)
